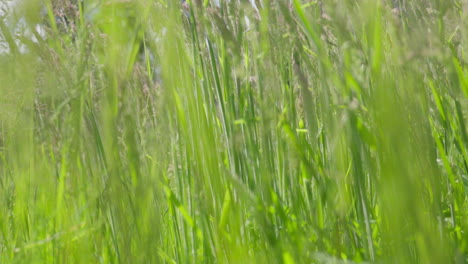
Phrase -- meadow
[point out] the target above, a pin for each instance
(288, 131)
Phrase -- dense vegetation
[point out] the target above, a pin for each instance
(155, 131)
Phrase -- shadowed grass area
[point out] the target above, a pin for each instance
(282, 132)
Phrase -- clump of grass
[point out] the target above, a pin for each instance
(204, 132)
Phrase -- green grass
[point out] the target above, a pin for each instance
(313, 132)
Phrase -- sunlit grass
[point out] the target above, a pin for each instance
(286, 132)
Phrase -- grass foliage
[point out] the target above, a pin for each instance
(154, 131)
